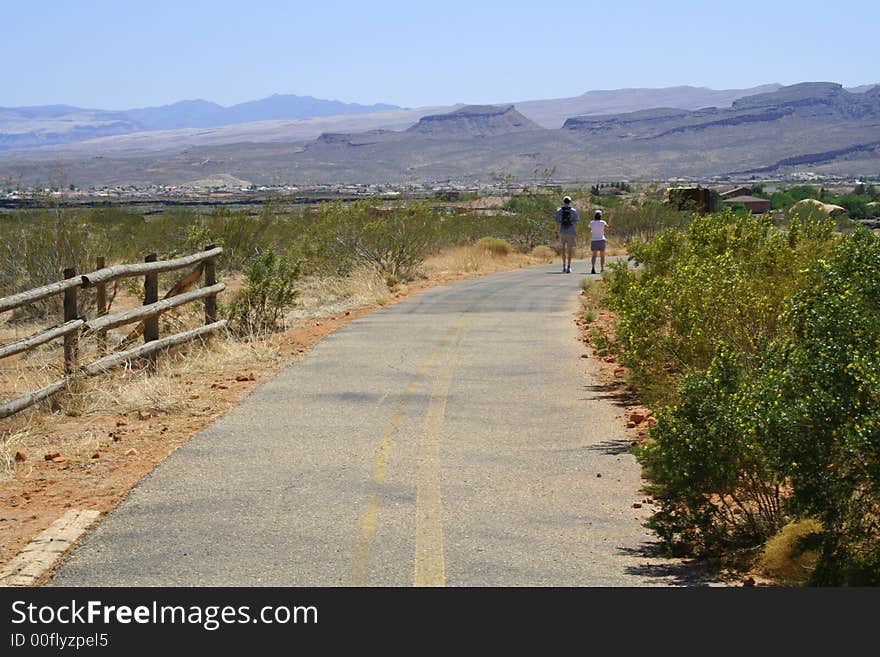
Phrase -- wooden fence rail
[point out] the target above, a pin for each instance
(74, 326)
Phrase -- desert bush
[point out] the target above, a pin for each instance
(530, 220)
(267, 294)
(783, 421)
(393, 238)
(37, 246)
(634, 221)
(494, 245)
(814, 404)
(724, 278)
(714, 484)
(460, 228)
(241, 235)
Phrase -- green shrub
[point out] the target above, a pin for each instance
(267, 294)
(714, 487)
(724, 278)
(783, 421)
(815, 403)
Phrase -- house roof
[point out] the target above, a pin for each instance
(745, 199)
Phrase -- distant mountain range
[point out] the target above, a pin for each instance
(820, 126)
(200, 122)
(32, 127)
(553, 113)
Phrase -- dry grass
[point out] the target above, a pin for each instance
(319, 296)
(168, 389)
(475, 259)
(781, 558)
(496, 247)
(544, 253)
(10, 445)
(128, 390)
(614, 247)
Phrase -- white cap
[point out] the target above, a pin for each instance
(567, 199)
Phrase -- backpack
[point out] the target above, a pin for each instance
(565, 219)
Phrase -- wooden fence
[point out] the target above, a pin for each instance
(74, 326)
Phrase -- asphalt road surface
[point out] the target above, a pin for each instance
(455, 438)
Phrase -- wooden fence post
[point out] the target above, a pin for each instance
(101, 301)
(71, 340)
(210, 279)
(151, 295)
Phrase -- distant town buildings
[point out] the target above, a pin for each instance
(752, 204)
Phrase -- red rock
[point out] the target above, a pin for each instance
(144, 415)
(96, 455)
(194, 396)
(636, 505)
(608, 359)
(58, 459)
(131, 452)
(20, 456)
(630, 425)
(51, 455)
(246, 377)
(637, 417)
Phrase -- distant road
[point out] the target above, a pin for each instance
(455, 438)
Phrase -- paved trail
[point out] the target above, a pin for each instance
(454, 438)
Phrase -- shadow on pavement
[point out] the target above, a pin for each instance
(676, 572)
(613, 447)
(616, 394)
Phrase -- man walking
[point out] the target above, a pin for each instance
(566, 232)
(597, 240)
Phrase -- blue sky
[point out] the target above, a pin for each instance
(121, 54)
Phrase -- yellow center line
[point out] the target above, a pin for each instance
(369, 520)
(430, 564)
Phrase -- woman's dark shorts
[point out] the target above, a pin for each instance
(597, 245)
